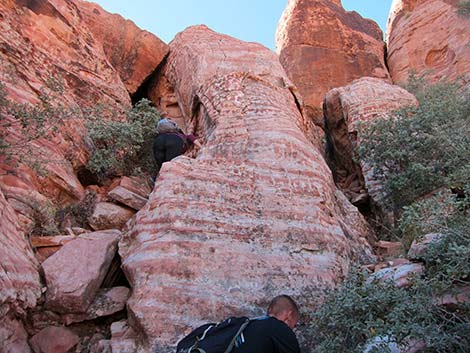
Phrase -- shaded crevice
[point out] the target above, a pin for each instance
(143, 90)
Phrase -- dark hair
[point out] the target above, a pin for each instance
(281, 303)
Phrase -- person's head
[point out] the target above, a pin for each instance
(285, 309)
(166, 125)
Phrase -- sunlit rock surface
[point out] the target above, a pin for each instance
(429, 38)
(361, 102)
(322, 46)
(254, 215)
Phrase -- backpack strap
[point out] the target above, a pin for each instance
(240, 330)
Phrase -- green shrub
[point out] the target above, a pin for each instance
(43, 120)
(124, 147)
(463, 8)
(423, 148)
(361, 310)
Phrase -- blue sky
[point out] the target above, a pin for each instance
(249, 20)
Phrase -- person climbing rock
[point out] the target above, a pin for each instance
(170, 142)
(272, 333)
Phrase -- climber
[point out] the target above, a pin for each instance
(273, 332)
(170, 141)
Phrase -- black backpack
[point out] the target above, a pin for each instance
(214, 338)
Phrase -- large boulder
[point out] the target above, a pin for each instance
(429, 38)
(321, 46)
(362, 101)
(134, 53)
(74, 273)
(255, 214)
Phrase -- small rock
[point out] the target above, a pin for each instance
(389, 248)
(399, 274)
(54, 340)
(107, 302)
(419, 247)
(137, 185)
(127, 197)
(109, 216)
(452, 299)
(75, 272)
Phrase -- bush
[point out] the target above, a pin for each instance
(362, 310)
(124, 147)
(30, 123)
(423, 148)
(463, 8)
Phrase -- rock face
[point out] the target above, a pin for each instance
(19, 277)
(362, 101)
(20, 285)
(322, 46)
(134, 53)
(428, 37)
(66, 40)
(255, 214)
(74, 273)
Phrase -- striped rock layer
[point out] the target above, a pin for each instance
(20, 285)
(255, 214)
(429, 38)
(64, 40)
(363, 101)
(321, 46)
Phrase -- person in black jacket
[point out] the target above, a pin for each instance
(273, 332)
(170, 142)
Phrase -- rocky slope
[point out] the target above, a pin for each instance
(255, 214)
(322, 46)
(428, 37)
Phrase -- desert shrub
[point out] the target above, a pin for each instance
(32, 122)
(76, 215)
(123, 147)
(418, 151)
(362, 310)
(463, 8)
(422, 148)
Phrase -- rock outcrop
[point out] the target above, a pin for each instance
(20, 285)
(134, 53)
(430, 38)
(363, 101)
(255, 214)
(52, 43)
(322, 46)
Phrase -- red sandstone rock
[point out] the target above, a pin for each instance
(255, 214)
(389, 248)
(74, 273)
(400, 275)
(134, 53)
(54, 340)
(109, 216)
(419, 247)
(13, 337)
(322, 46)
(428, 37)
(19, 278)
(127, 197)
(44, 39)
(363, 101)
(137, 185)
(107, 302)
